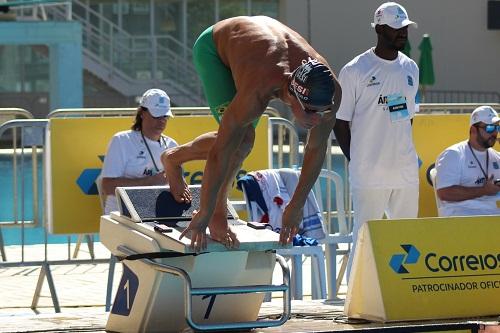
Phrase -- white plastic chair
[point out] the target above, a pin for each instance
(342, 236)
(433, 174)
(318, 274)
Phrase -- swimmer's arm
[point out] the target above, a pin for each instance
(314, 154)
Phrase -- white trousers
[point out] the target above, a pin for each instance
(372, 204)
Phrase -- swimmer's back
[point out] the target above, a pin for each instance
(252, 44)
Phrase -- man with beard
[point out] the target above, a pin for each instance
(374, 124)
(468, 173)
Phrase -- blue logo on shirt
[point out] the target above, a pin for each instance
(495, 165)
(410, 80)
(480, 181)
(373, 82)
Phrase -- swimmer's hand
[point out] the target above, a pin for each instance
(290, 224)
(198, 229)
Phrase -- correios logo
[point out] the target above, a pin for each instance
(398, 260)
(447, 263)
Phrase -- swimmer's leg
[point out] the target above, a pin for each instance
(218, 226)
(173, 158)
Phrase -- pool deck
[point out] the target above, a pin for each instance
(81, 292)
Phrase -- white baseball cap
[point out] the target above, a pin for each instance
(157, 102)
(392, 14)
(484, 114)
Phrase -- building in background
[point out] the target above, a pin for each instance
(130, 46)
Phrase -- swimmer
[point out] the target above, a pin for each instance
(244, 63)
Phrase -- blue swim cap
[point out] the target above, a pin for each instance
(312, 83)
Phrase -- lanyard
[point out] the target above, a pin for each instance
(477, 160)
(149, 151)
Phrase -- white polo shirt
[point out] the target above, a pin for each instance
(127, 156)
(456, 165)
(378, 99)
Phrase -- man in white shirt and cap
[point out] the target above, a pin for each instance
(374, 124)
(468, 172)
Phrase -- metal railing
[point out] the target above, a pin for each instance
(31, 138)
(283, 141)
(14, 113)
(7, 114)
(285, 130)
(121, 112)
(458, 96)
(16, 152)
(453, 107)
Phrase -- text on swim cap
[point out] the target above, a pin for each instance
(303, 72)
(300, 89)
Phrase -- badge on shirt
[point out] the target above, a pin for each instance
(397, 107)
(410, 80)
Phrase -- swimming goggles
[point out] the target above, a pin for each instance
(306, 110)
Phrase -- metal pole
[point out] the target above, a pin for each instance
(34, 173)
(22, 194)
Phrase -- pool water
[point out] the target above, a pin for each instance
(33, 234)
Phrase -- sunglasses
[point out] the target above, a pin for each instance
(306, 110)
(490, 128)
(159, 118)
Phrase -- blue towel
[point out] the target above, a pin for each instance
(299, 240)
(254, 194)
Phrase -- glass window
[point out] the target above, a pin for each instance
(24, 68)
(265, 7)
(168, 18)
(111, 11)
(136, 20)
(36, 73)
(231, 8)
(200, 15)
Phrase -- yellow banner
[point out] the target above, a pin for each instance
(433, 134)
(429, 268)
(77, 148)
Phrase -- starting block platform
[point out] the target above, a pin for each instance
(166, 287)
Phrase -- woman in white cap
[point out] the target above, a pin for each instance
(133, 156)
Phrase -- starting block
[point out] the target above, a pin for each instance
(166, 287)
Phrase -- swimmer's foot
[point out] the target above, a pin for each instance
(178, 186)
(221, 232)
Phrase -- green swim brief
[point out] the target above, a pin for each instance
(216, 77)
